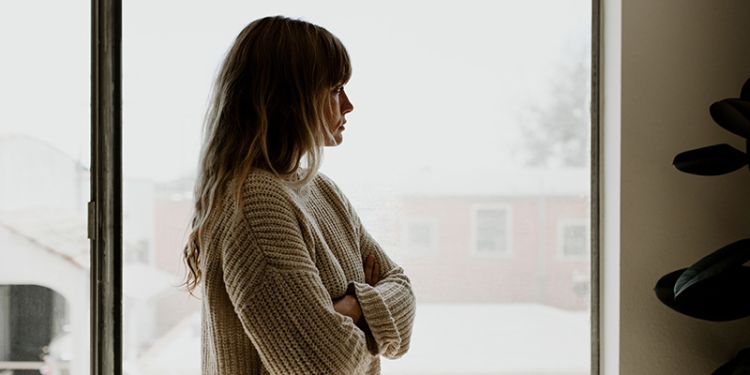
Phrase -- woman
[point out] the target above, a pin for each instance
(292, 283)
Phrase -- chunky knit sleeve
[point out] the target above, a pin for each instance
(388, 307)
(279, 297)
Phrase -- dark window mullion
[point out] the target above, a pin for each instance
(105, 211)
(596, 49)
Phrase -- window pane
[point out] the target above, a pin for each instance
(491, 231)
(420, 234)
(44, 187)
(466, 150)
(575, 240)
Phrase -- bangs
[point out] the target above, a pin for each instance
(337, 64)
(343, 65)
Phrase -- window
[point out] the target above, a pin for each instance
(464, 144)
(573, 237)
(34, 340)
(420, 235)
(447, 119)
(492, 232)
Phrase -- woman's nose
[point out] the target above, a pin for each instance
(346, 105)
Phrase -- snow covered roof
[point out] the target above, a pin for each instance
(143, 282)
(61, 233)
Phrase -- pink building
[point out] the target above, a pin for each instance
(519, 237)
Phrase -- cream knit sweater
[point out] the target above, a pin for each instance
(272, 266)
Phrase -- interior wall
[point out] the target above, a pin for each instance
(677, 58)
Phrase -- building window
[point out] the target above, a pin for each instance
(491, 231)
(35, 330)
(420, 235)
(573, 239)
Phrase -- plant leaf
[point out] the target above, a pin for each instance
(710, 161)
(718, 299)
(740, 364)
(732, 115)
(745, 93)
(665, 287)
(729, 256)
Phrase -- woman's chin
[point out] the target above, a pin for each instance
(335, 141)
(338, 136)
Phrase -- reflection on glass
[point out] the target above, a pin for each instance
(466, 157)
(44, 188)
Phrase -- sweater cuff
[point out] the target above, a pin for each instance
(377, 315)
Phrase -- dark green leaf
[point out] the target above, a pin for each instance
(745, 93)
(732, 115)
(718, 299)
(665, 287)
(710, 161)
(730, 256)
(739, 365)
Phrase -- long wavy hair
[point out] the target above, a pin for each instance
(267, 111)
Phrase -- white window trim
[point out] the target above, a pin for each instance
(608, 172)
(508, 227)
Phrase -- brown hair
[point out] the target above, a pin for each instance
(267, 112)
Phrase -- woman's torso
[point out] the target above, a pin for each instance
(331, 235)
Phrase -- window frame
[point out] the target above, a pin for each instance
(596, 181)
(105, 206)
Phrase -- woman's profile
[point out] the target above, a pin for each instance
(291, 281)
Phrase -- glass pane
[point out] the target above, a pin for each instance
(575, 240)
(44, 187)
(466, 151)
(492, 231)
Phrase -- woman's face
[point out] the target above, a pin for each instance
(339, 106)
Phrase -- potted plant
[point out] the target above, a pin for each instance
(711, 288)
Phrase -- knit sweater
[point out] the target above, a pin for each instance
(272, 266)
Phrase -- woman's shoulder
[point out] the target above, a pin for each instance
(329, 189)
(322, 180)
(328, 186)
(261, 180)
(262, 188)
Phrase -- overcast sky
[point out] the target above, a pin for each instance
(436, 84)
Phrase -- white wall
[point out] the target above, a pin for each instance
(677, 58)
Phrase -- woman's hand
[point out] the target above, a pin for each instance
(348, 304)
